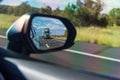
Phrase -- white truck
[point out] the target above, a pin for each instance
(46, 33)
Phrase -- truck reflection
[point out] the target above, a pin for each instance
(46, 33)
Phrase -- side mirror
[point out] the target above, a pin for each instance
(39, 33)
(47, 33)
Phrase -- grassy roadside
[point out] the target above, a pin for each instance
(104, 36)
(5, 22)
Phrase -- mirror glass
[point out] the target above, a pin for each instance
(47, 33)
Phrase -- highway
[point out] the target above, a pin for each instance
(3, 41)
(50, 43)
(84, 56)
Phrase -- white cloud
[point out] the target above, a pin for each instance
(110, 4)
(57, 21)
(12, 2)
(54, 27)
(56, 3)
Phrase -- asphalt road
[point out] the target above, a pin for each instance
(47, 43)
(3, 41)
(50, 43)
(84, 56)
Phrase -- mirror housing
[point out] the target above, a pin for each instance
(19, 34)
(48, 33)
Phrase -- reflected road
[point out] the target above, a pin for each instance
(50, 43)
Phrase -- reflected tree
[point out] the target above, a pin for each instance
(1, 0)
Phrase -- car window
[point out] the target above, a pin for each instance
(96, 21)
(1, 77)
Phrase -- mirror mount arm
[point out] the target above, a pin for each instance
(18, 44)
(16, 35)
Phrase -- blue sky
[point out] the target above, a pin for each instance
(56, 26)
(43, 22)
(108, 4)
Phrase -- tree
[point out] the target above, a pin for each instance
(82, 17)
(94, 8)
(57, 12)
(10, 10)
(24, 8)
(114, 16)
(46, 10)
(103, 20)
(79, 3)
(84, 14)
(69, 12)
(21, 9)
(3, 9)
(42, 10)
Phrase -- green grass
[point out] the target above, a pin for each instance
(103, 36)
(6, 21)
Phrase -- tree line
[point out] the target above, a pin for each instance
(87, 13)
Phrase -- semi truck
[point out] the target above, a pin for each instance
(46, 33)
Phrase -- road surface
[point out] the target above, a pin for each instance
(47, 43)
(3, 41)
(102, 60)
(50, 43)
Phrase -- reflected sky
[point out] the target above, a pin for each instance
(56, 26)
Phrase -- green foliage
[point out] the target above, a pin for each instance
(57, 12)
(94, 8)
(79, 3)
(83, 17)
(18, 10)
(46, 10)
(103, 20)
(85, 14)
(23, 8)
(114, 17)
(69, 13)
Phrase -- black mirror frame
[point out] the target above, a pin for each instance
(29, 44)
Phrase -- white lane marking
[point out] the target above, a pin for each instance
(93, 55)
(60, 40)
(1, 36)
(47, 45)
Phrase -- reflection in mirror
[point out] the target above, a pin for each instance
(47, 33)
